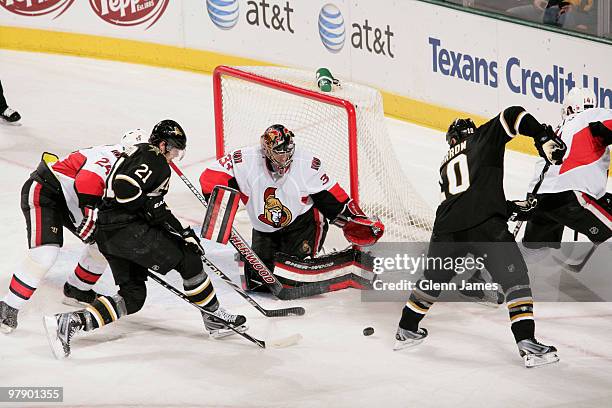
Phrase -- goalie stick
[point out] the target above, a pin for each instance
(577, 268)
(251, 257)
(279, 343)
(288, 311)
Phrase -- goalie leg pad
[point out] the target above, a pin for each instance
(222, 207)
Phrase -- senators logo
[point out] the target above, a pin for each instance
(275, 213)
(33, 8)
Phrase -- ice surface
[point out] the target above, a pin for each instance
(160, 357)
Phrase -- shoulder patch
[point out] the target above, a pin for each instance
(237, 156)
(316, 164)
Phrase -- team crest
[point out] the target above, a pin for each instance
(275, 213)
(306, 247)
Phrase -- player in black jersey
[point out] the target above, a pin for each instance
(136, 231)
(472, 218)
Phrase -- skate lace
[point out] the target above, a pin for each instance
(225, 315)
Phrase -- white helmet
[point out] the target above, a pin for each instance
(578, 100)
(133, 137)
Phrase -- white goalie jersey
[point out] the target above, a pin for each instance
(274, 202)
(586, 163)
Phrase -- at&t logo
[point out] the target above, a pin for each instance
(364, 36)
(223, 13)
(331, 27)
(36, 7)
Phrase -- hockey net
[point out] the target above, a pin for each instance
(345, 129)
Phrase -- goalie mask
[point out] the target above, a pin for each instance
(172, 133)
(578, 100)
(278, 148)
(460, 130)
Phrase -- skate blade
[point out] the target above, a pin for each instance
(50, 324)
(223, 333)
(4, 329)
(285, 341)
(400, 345)
(73, 302)
(538, 360)
(6, 122)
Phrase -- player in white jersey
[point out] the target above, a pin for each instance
(289, 198)
(62, 194)
(573, 194)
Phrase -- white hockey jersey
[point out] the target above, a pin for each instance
(587, 160)
(271, 202)
(83, 173)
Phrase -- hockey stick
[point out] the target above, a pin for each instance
(289, 311)
(251, 257)
(180, 294)
(278, 343)
(519, 224)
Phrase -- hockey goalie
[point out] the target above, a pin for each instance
(289, 198)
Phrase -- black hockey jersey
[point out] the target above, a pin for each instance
(472, 172)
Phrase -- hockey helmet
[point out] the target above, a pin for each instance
(278, 147)
(172, 133)
(133, 137)
(578, 100)
(460, 130)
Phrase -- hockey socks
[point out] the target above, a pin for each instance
(520, 309)
(28, 276)
(414, 311)
(82, 278)
(200, 291)
(105, 310)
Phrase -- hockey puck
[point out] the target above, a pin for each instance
(368, 331)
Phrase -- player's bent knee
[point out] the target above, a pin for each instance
(190, 266)
(134, 295)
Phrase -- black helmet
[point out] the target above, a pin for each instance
(460, 130)
(170, 132)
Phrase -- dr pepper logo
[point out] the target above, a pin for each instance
(129, 12)
(36, 7)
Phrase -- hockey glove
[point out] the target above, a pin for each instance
(86, 230)
(363, 231)
(192, 241)
(550, 146)
(357, 227)
(155, 210)
(522, 210)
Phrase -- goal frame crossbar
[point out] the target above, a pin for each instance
(348, 106)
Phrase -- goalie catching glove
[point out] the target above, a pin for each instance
(86, 229)
(357, 227)
(550, 146)
(522, 210)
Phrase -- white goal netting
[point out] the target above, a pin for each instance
(248, 108)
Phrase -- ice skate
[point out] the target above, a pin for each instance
(10, 116)
(73, 296)
(536, 354)
(8, 318)
(407, 338)
(60, 329)
(218, 329)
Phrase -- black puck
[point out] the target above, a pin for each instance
(368, 331)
